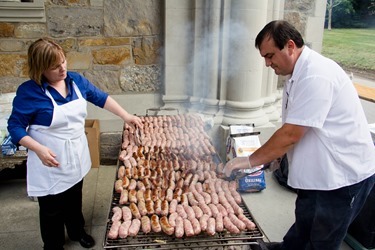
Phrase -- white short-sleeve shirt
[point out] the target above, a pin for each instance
(337, 150)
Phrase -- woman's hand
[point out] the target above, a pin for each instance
(134, 120)
(47, 156)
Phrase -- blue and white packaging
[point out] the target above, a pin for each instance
(7, 147)
(242, 141)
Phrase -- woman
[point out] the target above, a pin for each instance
(48, 118)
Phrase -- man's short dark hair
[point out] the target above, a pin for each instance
(281, 32)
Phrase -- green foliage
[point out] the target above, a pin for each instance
(351, 48)
(352, 13)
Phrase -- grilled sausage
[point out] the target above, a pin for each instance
(124, 197)
(173, 206)
(211, 226)
(189, 212)
(117, 214)
(214, 198)
(126, 213)
(192, 200)
(124, 229)
(155, 224)
(164, 208)
(249, 224)
(219, 227)
(228, 224)
(135, 211)
(121, 172)
(222, 210)
(172, 219)
(134, 227)
(125, 182)
(114, 230)
(196, 226)
(179, 229)
(205, 208)
(165, 226)
(214, 210)
(133, 196)
(157, 206)
(147, 194)
(181, 211)
(118, 186)
(188, 228)
(133, 184)
(142, 207)
(150, 207)
(146, 224)
(169, 195)
(198, 212)
(140, 194)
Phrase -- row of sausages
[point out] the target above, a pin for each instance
(198, 213)
(173, 189)
(186, 220)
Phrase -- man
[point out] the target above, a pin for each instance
(325, 135)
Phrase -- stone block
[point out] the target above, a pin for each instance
(106, 80)
(132, 17)
(78, 61)
(30, 30)
(12, 65)
(141, 78)
(6, 30)
(146, 50)
(74, 22)
(114, 56)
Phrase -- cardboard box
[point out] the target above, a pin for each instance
(92, 129)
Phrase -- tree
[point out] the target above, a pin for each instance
(371, 8)
(330, 6)
(345, 6)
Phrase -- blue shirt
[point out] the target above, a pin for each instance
(31, 105)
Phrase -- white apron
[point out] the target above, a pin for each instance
(66, 138)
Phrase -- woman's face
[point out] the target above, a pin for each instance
(56, 73)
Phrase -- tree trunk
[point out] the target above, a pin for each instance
(330, 14)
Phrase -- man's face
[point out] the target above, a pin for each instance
(281, 61)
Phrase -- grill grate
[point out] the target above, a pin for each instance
(221, 240)
(164, 241)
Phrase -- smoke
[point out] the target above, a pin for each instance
(219, 48)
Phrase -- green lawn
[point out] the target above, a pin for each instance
(351, 48)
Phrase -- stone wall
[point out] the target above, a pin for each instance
(116, 44)
(308, 17)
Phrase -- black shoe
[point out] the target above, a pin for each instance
(87, 241)
(273, 245)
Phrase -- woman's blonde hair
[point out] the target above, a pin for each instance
(43, 54)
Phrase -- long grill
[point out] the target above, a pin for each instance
(221, 240)
(163, 241)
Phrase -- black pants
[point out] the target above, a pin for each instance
(323, 217)
(58, 210)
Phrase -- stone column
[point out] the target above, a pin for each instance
(271, 95)
(244, 100)
(212, 46)
(207, 56)
(178, 79)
